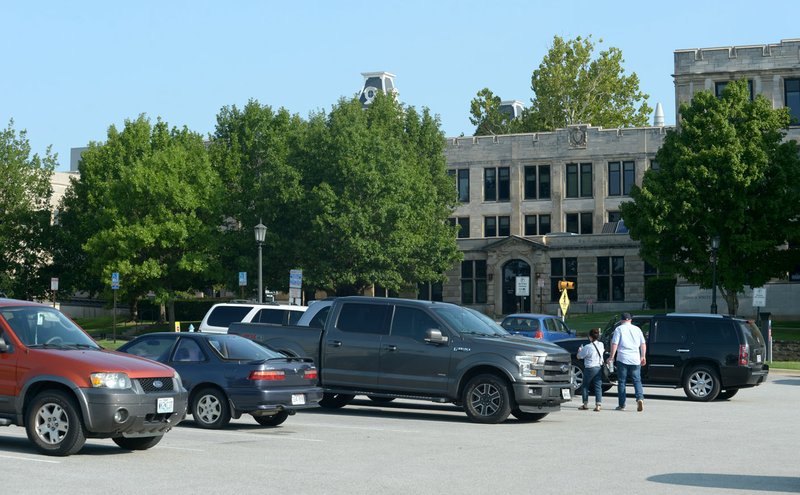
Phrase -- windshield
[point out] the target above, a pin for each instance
(469, 321)
(241, 349)
(37, 326)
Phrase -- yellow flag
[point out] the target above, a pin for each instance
(564, 302)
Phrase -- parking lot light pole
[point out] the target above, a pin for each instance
(714, 249)
(261, 232)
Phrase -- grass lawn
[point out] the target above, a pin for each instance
(785, 365)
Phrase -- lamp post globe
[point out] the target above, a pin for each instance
(714, 249)
(261, 233)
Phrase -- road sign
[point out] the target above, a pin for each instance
(564, 302)
(523, 286)
(242, 279)
(759, 297)
(54, 283)
(115, 280)
(295, 279)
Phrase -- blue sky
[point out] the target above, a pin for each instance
(72, 69)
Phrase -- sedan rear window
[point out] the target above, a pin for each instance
(238, 348)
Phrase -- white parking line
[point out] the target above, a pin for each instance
(28, 459)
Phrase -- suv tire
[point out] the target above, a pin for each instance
(210, 409)
(727, 393)
(335, 401)
(54, 424)
(486, 399)
(701, 383)
(526, 416)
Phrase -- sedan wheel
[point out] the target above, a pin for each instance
(577, 376)
(210, 409)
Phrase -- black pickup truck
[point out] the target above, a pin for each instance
(389, 348)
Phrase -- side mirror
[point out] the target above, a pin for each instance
(434, 336)
(3, 346)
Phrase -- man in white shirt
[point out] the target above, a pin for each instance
(629, 347)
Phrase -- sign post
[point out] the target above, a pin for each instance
(296, 286)
(54, 288)
(523, 288)
(540, 284)
(759, 301)
(242, 283)
(114, 289)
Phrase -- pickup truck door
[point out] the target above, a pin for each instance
(350, 346)
(408, 363)
(668, 350)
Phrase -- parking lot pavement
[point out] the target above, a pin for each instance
(744, 445)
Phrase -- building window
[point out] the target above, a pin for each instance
(719, 87)
(496, 184)
(537, 224)
(463, 231)
(579, 223)
(490, 227)
(610, 278)
(579, 180)
(621, 176)
(461, 176)
(496, 226)
(473, 282)
(563, 269)
(614, 216)
(537, 182)
(791, 96)
(429, 291)
(654, 165)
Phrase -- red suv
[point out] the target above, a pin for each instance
(64, 388)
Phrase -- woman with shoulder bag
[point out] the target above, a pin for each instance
(592, 356)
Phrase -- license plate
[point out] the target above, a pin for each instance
(565, 394)
(298, 399)
(758, 358)
(165, 405)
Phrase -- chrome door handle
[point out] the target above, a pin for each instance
(681, 350)
(391, 348)
(335, 343)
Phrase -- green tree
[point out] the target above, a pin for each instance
(571, 87)
(725, 172)
(25, 214)
(378, 198)
(149, 208)
(254, 149)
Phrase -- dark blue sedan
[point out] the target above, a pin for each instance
(228, 375)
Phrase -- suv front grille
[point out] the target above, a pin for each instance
(557, 369)
(151, 385)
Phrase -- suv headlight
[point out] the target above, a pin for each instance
(110, 380)
(530, 365)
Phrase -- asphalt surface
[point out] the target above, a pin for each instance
(746, 445)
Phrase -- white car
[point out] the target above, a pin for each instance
(220, 316)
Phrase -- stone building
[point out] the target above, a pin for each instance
(546, 206)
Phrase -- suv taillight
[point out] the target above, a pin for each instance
(267, 375)
(744, 355)
(310, 374)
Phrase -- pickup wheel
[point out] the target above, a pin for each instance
(53, 423)
(210, 409)
(335, 401)
(486, 399)
(701, 384)
(137, 443)
(273, 420)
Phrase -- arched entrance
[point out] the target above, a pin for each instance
(512, 303)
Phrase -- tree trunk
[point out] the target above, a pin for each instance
(162, 313)
(731, 299)
(171, 311)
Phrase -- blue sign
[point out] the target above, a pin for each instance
(115, 280)
(295, 279)
(242, 279)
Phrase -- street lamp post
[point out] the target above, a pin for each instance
(261, 232)
(714, 249)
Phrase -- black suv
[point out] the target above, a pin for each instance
(710, 356)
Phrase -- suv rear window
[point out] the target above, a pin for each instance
(752, 333)
(223, 316)
(713, 331)
(270, 315)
